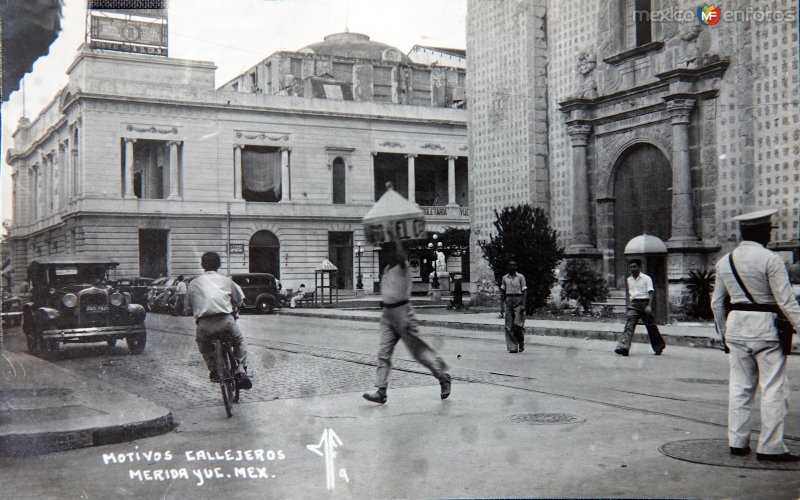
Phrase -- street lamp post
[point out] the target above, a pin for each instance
(435, 280)
(359, 253)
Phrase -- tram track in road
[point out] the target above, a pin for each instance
(474, 375)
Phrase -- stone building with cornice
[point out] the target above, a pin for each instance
(623, 117)
(142, 159)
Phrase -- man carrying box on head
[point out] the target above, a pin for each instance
(398, 320)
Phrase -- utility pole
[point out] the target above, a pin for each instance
(228, 252)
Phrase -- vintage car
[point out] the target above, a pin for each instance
(161, 294)
(260, 291)
(72, 300)
(12, 311)
(137, 287)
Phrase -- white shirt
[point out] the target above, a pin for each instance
(763, 273)
(640, 288)
(213, 293)
(396, 284)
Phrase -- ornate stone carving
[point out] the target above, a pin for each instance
(391, 144)
(587, 86)
(579, 134)
(680, 110)
(153, 130)
(464, 148)
(430, 145)
(262, 136)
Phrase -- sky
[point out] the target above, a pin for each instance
(235, 35)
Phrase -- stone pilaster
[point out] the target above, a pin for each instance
(237, 172)
(682, 210)
(412, 187)
(286, 185)
(581, 240)
(451, 181)
(174, 174)
(127, 179)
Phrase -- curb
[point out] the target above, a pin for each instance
(20, 445)
(676, 340)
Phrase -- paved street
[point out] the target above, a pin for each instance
(565, 418)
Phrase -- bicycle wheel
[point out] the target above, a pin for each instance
(234, 365)
(225, 377)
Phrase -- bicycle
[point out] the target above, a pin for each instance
(225, 363)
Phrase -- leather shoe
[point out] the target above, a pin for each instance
(445, 383)
(243, 381)
(621, 351)
(521, 348)
(212, 376)
(782, 457)
(376, 397)
(740, 452)
(513, 351)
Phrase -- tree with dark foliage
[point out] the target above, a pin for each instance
(523, 234)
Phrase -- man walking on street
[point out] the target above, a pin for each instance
(757, 283)
(513, 294)
(399, 322)
(212, 297)
(640, 305)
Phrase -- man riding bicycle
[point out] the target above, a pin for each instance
(212, 297)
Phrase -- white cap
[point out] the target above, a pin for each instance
(757, 218)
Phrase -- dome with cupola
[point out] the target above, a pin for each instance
(356, 46)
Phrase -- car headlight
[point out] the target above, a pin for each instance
(70, 300)
(117, 299)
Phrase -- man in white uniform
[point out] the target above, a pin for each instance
(757, 283)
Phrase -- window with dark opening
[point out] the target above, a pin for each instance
(641, 19)
(339, 194)
(261, 174)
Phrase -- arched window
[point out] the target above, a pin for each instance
(265, 253)
(339, 184)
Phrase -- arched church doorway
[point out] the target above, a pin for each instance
(643, 200)
(265, 254)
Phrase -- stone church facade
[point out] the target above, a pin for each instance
(621, 118)
(140, 158)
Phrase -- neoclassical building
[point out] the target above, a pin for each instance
(623, 117)
(142, 159)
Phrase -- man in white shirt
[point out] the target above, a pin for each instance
(640, 305)
(399, 322)
(757, 283)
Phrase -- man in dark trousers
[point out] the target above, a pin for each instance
(212, 297)
(399, 322)
(757, 283)
(513, 295)
(640, 305)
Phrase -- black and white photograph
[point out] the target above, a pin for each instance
(400, 249)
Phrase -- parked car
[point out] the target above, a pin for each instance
(12, 311)
(137, 287)
(72, 300)
(161, 295)
(260, 291)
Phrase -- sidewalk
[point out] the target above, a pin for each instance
(46, 408)
(490, 324)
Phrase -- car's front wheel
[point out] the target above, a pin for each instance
(136, 343)
(264, 306)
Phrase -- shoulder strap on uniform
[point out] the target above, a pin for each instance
(739, 279)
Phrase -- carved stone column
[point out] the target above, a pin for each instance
(682, 209)
(451, 181)
(286, 185)
(412, 181)
(129, 161)
(237, 172)
(174, 174)
(581, 241)
(39, 198)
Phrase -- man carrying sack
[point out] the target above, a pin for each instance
(391, 220)
(757, 283)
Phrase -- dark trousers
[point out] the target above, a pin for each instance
(636, 310)
(515, 323)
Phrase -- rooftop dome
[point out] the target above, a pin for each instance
(356, 46)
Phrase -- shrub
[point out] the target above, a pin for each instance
(700, 285)
(523, 234)
(583, 284)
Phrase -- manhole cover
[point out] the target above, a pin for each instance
(709, 381)
(546, 418)
(34, 393)
(716, 452)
